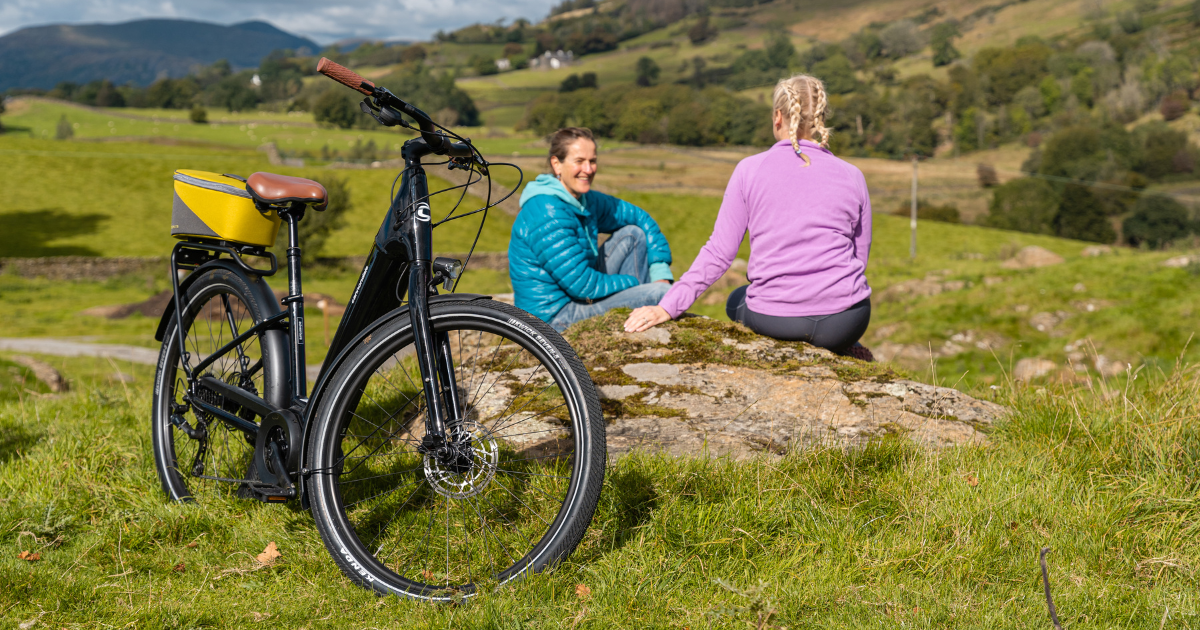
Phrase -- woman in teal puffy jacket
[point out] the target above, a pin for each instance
(558, 273)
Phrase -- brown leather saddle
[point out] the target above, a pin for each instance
(276, 189)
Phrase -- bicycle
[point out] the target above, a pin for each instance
(450, 442)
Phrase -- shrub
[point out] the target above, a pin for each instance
(987, 175)
(64, 130)
(1025, 205)
(198, 115)
(1174, 106)
(1157, 221)
(1081, 216)
(927, 211)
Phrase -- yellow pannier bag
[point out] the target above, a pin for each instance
(214, 206)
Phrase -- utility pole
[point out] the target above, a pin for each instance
(912, 248)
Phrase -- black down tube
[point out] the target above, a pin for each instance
(399, 263)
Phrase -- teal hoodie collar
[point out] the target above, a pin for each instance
(546, 184)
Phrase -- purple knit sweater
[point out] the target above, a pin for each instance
(810, 235)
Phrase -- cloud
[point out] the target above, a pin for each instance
(318, 20)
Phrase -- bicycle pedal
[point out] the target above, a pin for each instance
(269, 494)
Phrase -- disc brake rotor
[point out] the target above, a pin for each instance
(473, 479)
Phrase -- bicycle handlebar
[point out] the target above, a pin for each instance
(437, 142)
(345, 76)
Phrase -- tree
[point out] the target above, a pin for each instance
(317, 227)
(334, 108)
(647, 72)
(108, 96)
(1, 112)
(588, 80)
(1083, 87)
(1051, 93)
(1160, 146)
(701, 32)
(1081, 216)
(199, 115)
(1026, 204)
(837, 73)
(780, 51)
(1010, 69)
(484, 65)
(942, 43)
(901, 39)
(1157, 221)
(416, 52)
(64, 130)
(569, 84)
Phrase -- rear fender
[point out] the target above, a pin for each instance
(276, 349)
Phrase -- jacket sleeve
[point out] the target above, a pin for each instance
(717, 254)
(613, 214)
(556, 247)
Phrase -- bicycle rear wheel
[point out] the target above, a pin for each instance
(519, 499)
(192, 449)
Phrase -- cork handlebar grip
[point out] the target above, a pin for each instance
(344, 75)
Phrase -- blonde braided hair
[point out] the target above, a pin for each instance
(803, 101)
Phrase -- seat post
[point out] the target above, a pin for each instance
(295, 299)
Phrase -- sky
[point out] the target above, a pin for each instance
(323, 21)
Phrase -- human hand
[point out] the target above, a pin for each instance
(645, 318)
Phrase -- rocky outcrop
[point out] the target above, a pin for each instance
(1032, 256)
(698, 386)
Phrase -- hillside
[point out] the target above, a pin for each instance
(139, 52)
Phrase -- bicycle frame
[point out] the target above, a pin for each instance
(400, 264)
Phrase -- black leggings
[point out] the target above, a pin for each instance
(835, 332)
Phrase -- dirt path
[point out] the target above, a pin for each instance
(68, 348)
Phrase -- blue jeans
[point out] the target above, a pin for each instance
(623, 253)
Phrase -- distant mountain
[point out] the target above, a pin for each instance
(140, 51)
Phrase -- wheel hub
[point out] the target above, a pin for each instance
(464, 466)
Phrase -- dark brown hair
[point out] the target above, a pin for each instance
(561, 141)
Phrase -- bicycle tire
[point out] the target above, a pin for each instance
(543, 459)
(215, 297)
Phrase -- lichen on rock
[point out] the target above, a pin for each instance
(718, 388)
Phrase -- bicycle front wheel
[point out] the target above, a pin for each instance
(519, 499)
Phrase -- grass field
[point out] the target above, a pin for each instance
(888, 535)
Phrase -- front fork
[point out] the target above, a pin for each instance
(435, 361)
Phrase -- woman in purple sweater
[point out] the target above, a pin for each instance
(809, 219)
